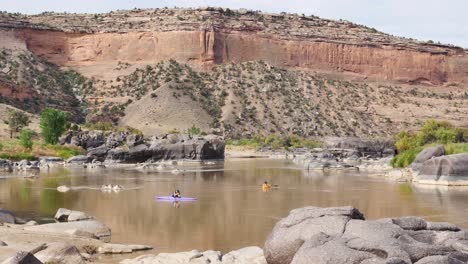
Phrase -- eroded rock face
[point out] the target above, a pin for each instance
(427, 154)
(444, 170)
(341, 236)
(171, 147)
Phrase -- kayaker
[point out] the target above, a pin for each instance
(265, 186)
(176, 194)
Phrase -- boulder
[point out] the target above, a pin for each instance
(6, 165)
(66, 215)
(84, 228)
(341, 235)
(79, 160)
(60, 253)
(9, 218)
(98, 153)
(301, 225)
(444, 170)
(427, 154)
(22, 257)
(134, 139)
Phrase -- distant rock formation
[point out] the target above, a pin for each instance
(125, 147)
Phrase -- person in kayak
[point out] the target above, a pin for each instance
(176, 194)
(265, 186)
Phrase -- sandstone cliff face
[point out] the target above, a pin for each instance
(207, 37)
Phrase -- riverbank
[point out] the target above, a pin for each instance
(338, 235)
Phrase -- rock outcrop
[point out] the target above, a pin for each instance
(340, 235)
(444, 170)
(427, 154)
(125, 147)
(349, 153)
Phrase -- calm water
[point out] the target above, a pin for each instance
(232, 211)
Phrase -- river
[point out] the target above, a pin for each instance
(231, 211)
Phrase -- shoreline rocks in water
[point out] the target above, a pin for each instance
(248, 255)
(349, 153)
(341, 235)
(125, 147)
(75, 239)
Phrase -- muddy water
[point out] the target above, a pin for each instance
(231, 211)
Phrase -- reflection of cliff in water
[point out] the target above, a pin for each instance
(232, 211)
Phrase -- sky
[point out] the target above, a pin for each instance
(437, 20)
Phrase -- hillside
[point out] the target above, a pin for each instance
(256, 98)
(236, 72)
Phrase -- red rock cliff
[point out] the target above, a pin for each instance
(282, 40)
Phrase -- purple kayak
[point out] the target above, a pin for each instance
(173, 199)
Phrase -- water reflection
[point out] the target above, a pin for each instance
(232, 210)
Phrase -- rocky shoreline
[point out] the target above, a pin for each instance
(338, 235)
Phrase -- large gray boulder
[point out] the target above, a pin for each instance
(444, 170)
(10, 218)
(301, 225)
(79, 160)
(427, 154)
(87, 228)
(67, 215)
(341, 236)
(60, 252)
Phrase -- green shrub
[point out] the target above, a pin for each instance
(456, 148)
(65, 152)
(275, 142)
(404, 159)
(433, 132)
(25, 139)
(194, 131)
(105, 126)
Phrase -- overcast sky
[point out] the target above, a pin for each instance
(438, 20)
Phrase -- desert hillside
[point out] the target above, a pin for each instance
(236, 72)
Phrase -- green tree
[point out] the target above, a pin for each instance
(16, 121)
(26, 138)
(53, 124)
